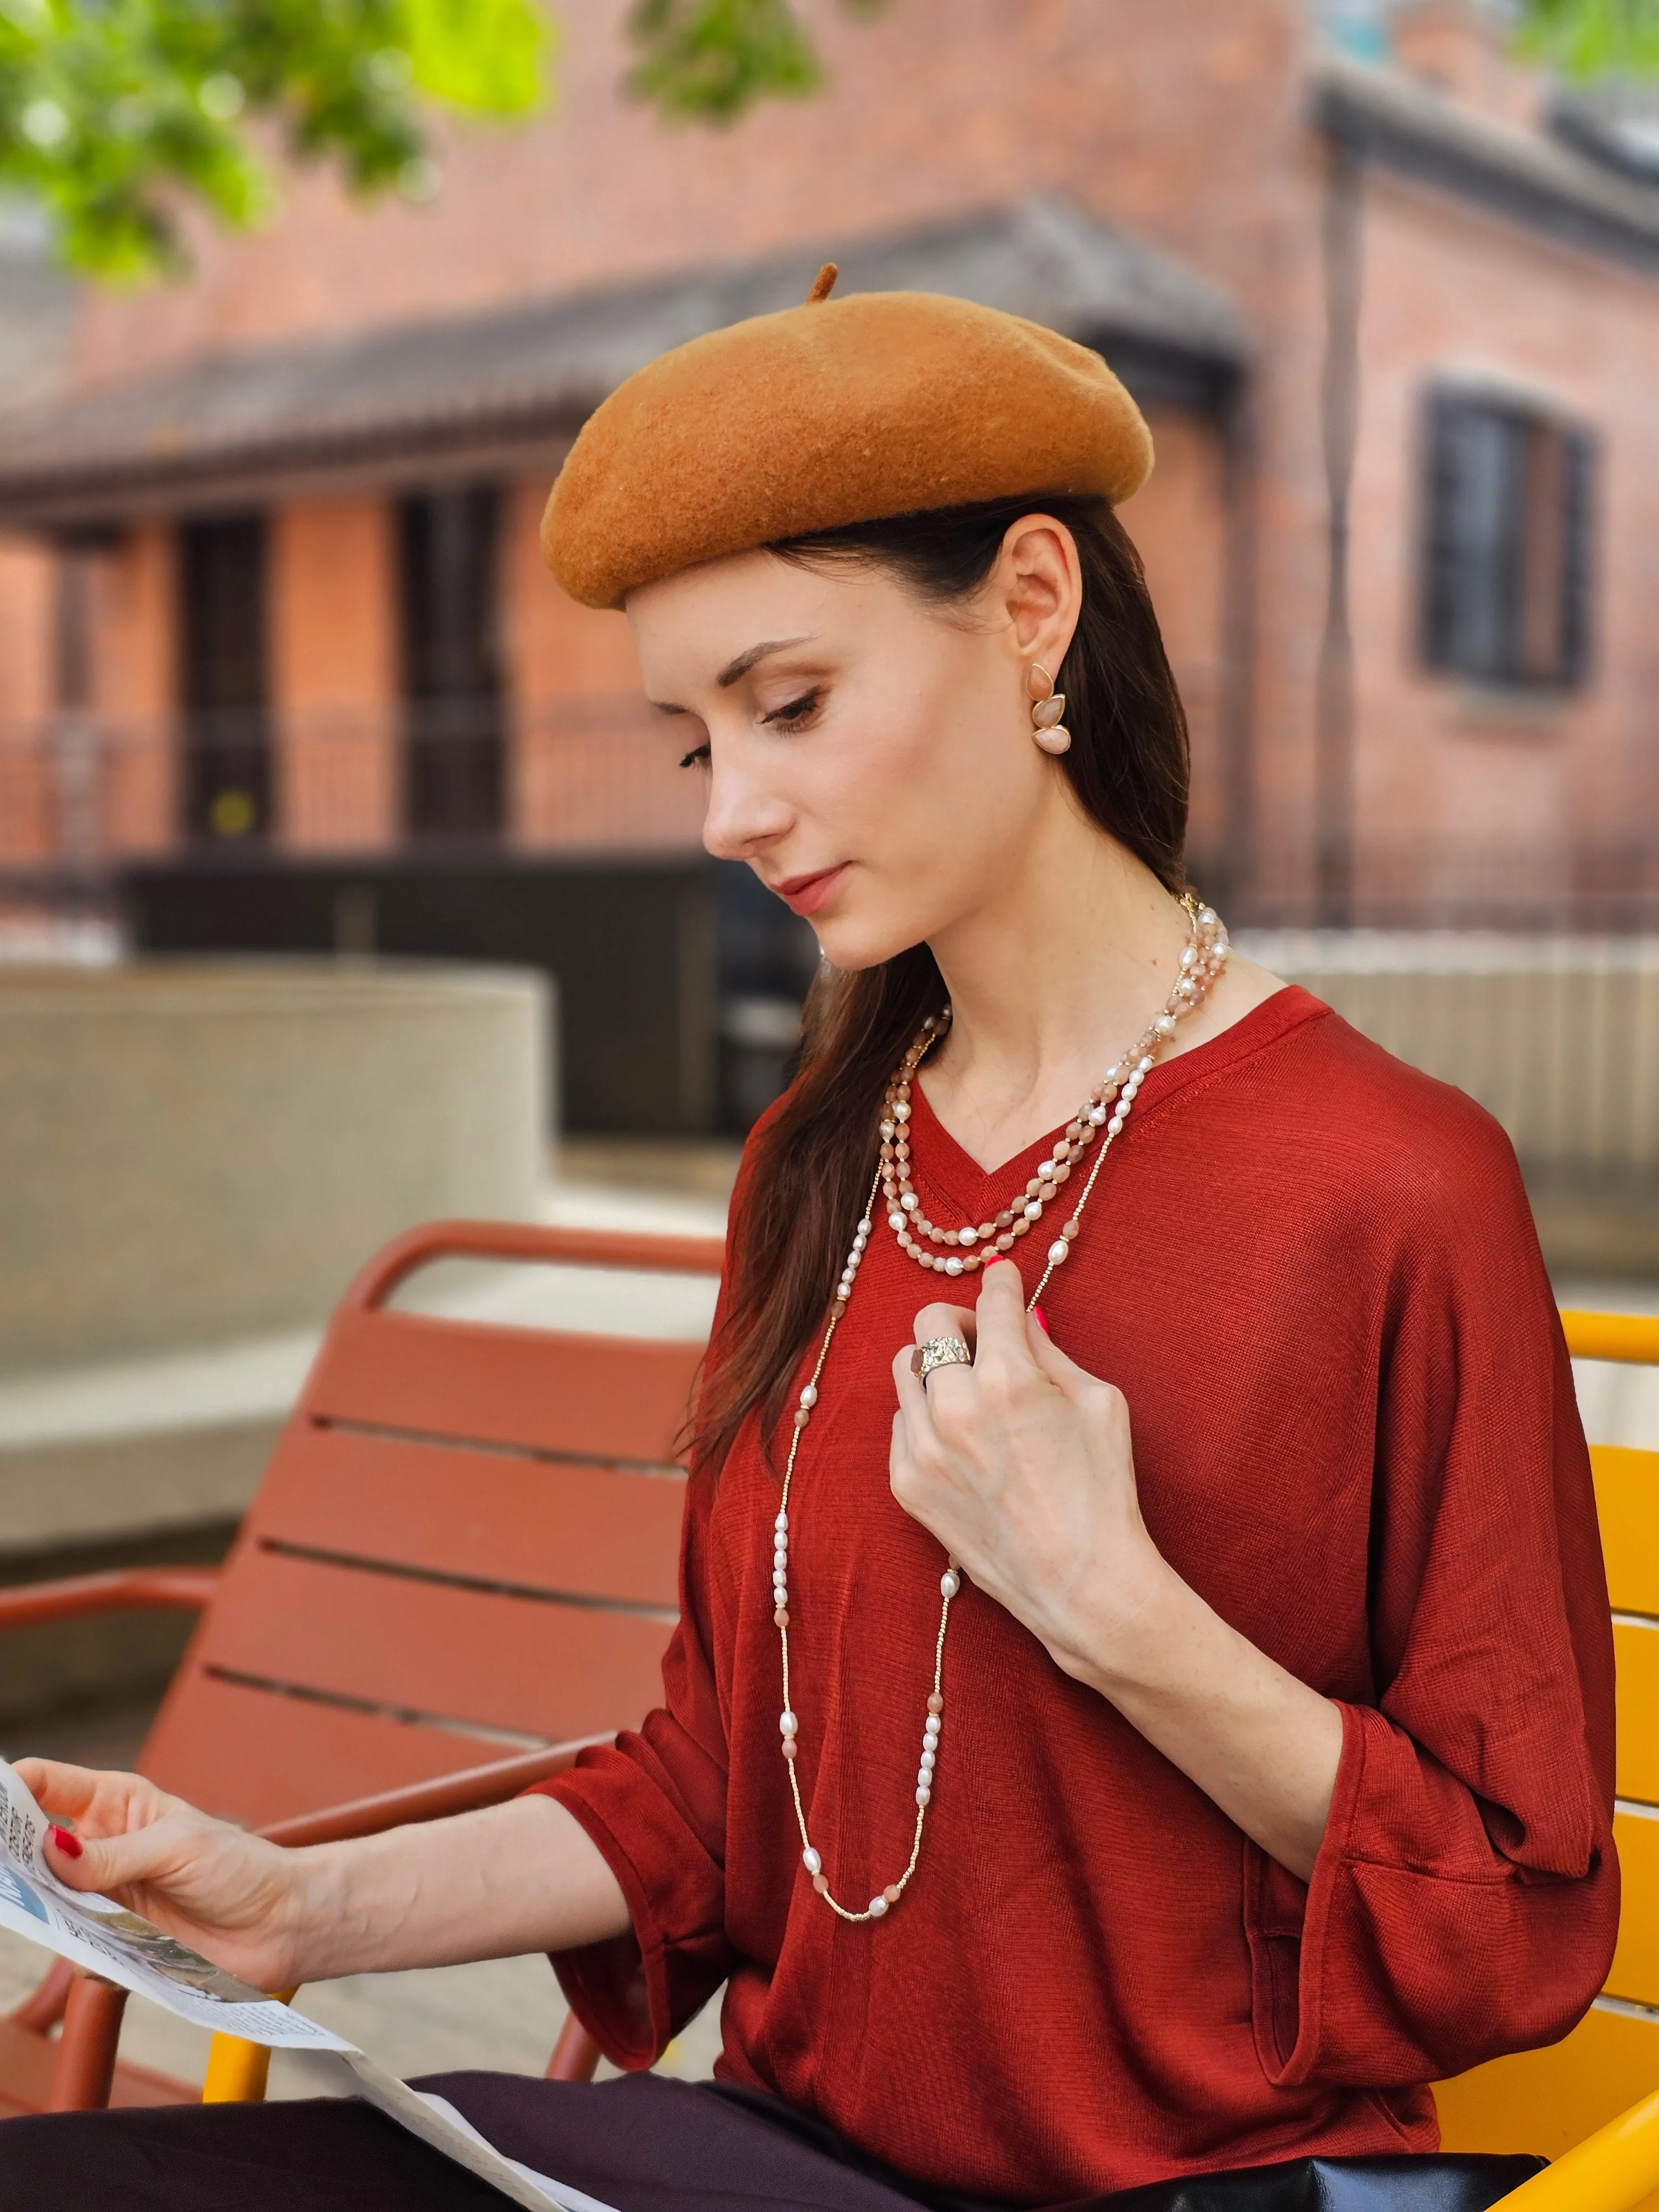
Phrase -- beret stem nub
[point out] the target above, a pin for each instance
(822, 284)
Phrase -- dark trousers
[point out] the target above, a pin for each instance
(643, 2144)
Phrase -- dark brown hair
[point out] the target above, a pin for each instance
(810, 1164)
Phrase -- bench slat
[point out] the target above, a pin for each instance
(1635, 1970)
(545, 1670)
(589, 1530)
(600, 1397)
(1635, 1656)
(1545, 2101)
(1627, 1506)
(253, 1757)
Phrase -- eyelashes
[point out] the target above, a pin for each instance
(794, 716)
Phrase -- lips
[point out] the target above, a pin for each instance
(806, 894)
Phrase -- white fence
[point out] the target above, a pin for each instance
(1557, 1036)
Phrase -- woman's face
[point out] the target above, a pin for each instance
(868, 754)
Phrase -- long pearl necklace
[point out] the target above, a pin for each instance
(1107, 1107)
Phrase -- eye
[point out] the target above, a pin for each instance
(697, 757)
(794, 716)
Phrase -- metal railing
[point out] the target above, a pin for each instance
(82, 793)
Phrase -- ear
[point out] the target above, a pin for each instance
(1040, 582)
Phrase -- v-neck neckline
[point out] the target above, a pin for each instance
(954, 1175)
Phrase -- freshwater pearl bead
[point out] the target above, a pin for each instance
(1108, 1106)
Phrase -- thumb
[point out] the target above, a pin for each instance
(1052, 1362)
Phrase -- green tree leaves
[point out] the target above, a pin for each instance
(1593, 38)
(115, 114)
(119, 114)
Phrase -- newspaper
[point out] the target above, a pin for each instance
(103, 1936)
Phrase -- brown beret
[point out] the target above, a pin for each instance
(838, 411)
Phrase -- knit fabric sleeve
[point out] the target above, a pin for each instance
(1465, 1898)
(654, 1802)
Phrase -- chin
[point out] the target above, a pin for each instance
(853, 943)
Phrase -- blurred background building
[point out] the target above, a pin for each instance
(281, 668)
(281, 672)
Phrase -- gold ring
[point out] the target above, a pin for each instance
(940, 1351)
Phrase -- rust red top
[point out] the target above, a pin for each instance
(1313, 1274)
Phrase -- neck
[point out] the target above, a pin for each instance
(1060, 969)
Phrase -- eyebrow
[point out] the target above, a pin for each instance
(735, 671)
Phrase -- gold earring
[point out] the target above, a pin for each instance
(1048, 705)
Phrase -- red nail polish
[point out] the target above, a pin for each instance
(1041, 1319)
(67, 1843)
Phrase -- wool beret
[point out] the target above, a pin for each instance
(833, 412)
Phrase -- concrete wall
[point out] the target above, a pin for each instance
(194, 1153)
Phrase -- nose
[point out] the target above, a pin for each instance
(743, 816)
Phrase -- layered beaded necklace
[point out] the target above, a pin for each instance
(960, 1252)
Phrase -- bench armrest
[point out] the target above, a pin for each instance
(466, 1792)
(1611, 2171)
(28, 1605)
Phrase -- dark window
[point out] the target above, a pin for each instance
(1506, 570)
(226, 787)
(453, 754)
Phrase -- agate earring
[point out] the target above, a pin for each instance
(1048, 705)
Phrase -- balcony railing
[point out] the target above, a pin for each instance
(83, 794)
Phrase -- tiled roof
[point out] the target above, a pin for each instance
(1531, 175)
(535, 369)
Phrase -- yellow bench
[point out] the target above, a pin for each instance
(1591, 2103)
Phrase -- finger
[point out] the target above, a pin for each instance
(113, 1864)
(911, 1396)
(1003, 1333)
(65, 1792)
(1052, 1364)
(946, 1321)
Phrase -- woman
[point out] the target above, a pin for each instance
(1161, 1736)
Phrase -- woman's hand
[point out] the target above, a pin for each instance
(512, 1878)
(1021, 1466)
(226, 1893)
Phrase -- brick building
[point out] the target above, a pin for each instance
(274, 638)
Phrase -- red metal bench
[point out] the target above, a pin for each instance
(460, 1566)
